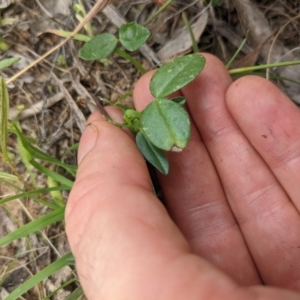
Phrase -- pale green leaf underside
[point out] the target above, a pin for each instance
(166, 124)
(152, 154)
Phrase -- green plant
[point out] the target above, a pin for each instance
(34, 160)
(80, 14)
(163, 124)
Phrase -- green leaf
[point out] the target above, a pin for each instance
(5, 63)
(152, 154)
(61, 287)
(4, 175)
(99, 47)
(33, 193)
(179, 100)
(76, 294)
(38, 154)
(4, 110)
(57, 177)
(50, 218)
(25, 158)
(176, 74)
(133, 36)
(166, 125)
(43, 274)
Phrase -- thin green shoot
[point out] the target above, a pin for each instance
(123, 97)
(32, 194)
(263, 67)
(161, 9)
(38, 154)
(130, 58)
(7, 176)
(26, 157)
(76, 294)
(9, 268)
(40, 276)
(80, 14)
(5, 63)
(69, 150)
(60, 288)
(4, 110)
(191, 33)
(237, 52)
(56, 194)
(62, 179)
(31, 227)
(34, 226)
(116, 103)
(66, 34)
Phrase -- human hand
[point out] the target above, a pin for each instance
(231, 220)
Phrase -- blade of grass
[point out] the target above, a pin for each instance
(80, 14)
(57, 177)
(56, 195)
(46, 272)
(237, 52)
(162, 8)
(38, 154)
(191, 33)
(76, 294)
(36, 225)
(5, 63)
(4, 110)
(4, 175)
(263, 67)
(66, 34)
(60, 288)
(33, 193)
(69, 150)
(25, 158)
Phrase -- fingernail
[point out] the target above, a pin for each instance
(87, 141)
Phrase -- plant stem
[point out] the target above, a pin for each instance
(158, 12)
(128, 94)
(262, 67)
(131, 59)
(191, 33)
(237, 52)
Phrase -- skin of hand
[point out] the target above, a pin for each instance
(230, 224)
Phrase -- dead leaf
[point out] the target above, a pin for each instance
(183, 42)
